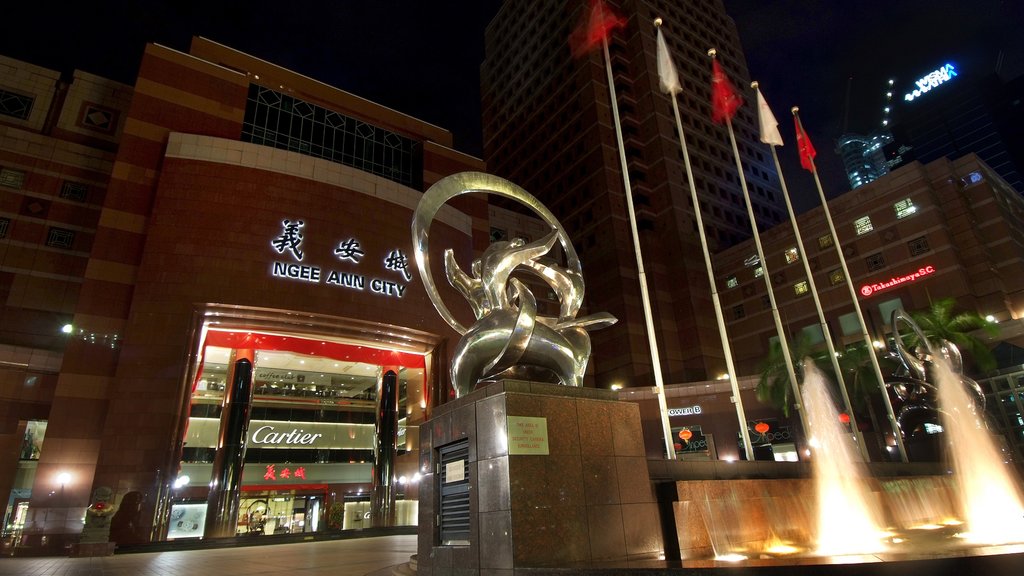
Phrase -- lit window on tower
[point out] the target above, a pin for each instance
(904, 208)
(836, 277)
(801, 288)
(863, 225)
(792, 255)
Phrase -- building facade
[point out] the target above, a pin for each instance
(548, 127)
(224, 232)
(950, 228)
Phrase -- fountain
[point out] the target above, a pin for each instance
(993, 509)
(848, 513)
(973, 510)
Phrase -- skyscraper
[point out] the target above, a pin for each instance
(548, 127)
(957, 110)
(864, 156)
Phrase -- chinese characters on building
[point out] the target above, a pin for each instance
(349, 252)
(285, 473)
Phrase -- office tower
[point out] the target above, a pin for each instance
(548, 127)
(864, 156)
(955, 110)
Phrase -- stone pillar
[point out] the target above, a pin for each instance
(226, 477)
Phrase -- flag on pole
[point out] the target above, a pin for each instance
(666, 68)
(596, 27)
(769, 125)
(803, 143)
(724, 99)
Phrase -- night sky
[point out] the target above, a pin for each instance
(422, 58)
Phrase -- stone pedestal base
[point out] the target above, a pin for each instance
(557, 477)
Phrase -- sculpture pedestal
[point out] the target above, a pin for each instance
(530, 475)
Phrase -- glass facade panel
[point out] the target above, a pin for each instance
(15, 105)
(814, 334)
(32, 444)
(12, 178)
(849, 324)
(282, 121)
(885, 309)
(904, 208)
(862, 225)
(836, 277)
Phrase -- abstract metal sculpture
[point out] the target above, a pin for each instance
(915, 384)
(509, 338)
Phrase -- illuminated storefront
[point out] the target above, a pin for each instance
(311, 430)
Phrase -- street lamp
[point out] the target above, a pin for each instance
(63, 478)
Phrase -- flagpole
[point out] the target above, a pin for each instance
(826, 333)
(856, 303)
(779, 330)
(652, 342)
(715, 299)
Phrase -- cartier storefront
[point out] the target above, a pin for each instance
(311, 433)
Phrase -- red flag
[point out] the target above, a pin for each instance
(803, 143)
(599, 23)
(724, 99)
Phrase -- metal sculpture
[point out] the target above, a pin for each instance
(915, 384)
(509, 339)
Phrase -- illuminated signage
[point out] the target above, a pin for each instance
(272, 473)
(349, 251)
(869, 289)
(931, 80)
(267, 435)
(687, 411)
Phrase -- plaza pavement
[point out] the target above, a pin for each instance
(356, 557)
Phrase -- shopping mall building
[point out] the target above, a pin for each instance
(223, 226)
(227, 229)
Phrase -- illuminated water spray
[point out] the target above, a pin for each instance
(992, 504)
(847, 512)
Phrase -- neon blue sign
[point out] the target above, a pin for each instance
(933, 79)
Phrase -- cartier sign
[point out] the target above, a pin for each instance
(268, 436)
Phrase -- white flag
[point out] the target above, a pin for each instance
(769, 126)
(666, 69)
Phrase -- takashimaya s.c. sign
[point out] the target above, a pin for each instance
(869, 289)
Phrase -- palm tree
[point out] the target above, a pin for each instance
(858, 373)
(939, 322)
(773, 387)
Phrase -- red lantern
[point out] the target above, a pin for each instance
(677, 446)
(761, 427)
(685, 434)
(844, 418)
